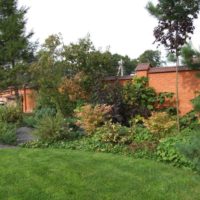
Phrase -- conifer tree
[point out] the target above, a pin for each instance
(15, 47)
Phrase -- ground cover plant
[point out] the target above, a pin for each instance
(60, 174)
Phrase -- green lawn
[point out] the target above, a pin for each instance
(49, 174)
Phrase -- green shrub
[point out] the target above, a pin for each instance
(191, 149)
(45, 111)
(55, 128)
(29, 120)
(142, 134)
(84, 143)
(189, 120)
(196, 103)
(115, 133)
(50, 127)
(34, 118)
(7, 133)
(168, 151)
(11, 114)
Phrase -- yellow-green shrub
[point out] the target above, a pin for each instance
(115, 133)
(90, 117)
(10, 114)
(160, 124)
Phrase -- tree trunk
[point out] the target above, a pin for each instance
(16, 85)
(177, 95)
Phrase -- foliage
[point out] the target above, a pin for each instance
(191, 149)
(152, 57)
(196, 104)
(47, 73)
(52, 128)
(15, 47)
(142, 98)
(90, 117)
(7, 133)
(175, 25)
(59, 128)
(141, 134)
(129, 64)
(190, 56)
(84, 57)
(137, 93)
(114, 133)
(175, 21)
(72, 87)
(31, 120)
(83, 143)
(11, 114)
(160, 124)
(131, 99)
(168, 151)
(190, 120)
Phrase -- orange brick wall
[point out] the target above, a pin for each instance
(142, 73)
(28, 100)
(189, 83)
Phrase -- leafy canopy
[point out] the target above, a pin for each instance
(175, 21)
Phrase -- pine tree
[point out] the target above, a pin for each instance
(15, 46)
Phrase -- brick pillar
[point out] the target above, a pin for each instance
(142, 69)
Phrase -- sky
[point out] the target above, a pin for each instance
(123, 25)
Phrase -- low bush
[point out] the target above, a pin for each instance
(141, 134)
(115, 133)
(50, 127)
(191, 149)
(11, 114)
(160, 124)
(91, 144)
(85, 144)
(189, 120)
(53, 128)
(168, 151)
(37, 115)
(7, 133)
(90, 117)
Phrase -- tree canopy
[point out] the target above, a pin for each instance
(152, 57)
(15, 45)
(175, 21)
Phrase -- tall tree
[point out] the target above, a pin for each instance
(152, 57)
(190, 56)
(15, 46)
(175, 25)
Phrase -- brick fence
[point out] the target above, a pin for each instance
(162, 79)
(26, 94)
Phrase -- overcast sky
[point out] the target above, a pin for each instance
(124, 25)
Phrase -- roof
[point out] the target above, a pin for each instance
(113, 78)
(143, 67)
(168, 69)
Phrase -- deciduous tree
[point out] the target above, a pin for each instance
(175, 25)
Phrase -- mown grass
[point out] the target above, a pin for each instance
(49, 174)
